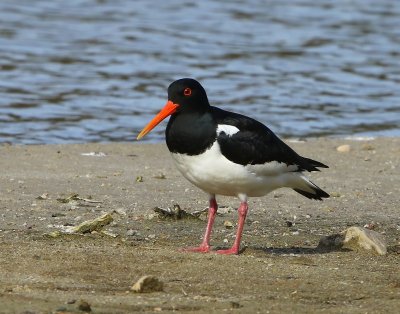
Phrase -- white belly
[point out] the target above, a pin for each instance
(215, 174)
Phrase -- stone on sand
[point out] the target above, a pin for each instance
(343, 148)
(362, 238)
(147, 284)
(357, 239)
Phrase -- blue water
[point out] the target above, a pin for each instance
(97, 70)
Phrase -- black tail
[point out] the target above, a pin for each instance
(312, 165)
(310, 190)
(318, 194)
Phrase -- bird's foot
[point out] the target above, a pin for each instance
(231, 251)
(197, 249)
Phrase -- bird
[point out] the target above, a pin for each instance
(227, 153)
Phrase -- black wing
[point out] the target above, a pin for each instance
(257, 144)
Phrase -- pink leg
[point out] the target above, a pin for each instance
(242, 212)
(204, 247)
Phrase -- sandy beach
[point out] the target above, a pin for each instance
(279, 269)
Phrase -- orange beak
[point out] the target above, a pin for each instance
(168, 109)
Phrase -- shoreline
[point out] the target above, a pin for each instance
(279, 263)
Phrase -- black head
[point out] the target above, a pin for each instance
(184, 96)
(188, 94)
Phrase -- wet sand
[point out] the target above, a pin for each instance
(279, 270)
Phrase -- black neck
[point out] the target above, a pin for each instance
(190, 133)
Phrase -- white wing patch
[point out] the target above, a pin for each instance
(227, 129)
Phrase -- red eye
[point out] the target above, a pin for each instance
(187, 91)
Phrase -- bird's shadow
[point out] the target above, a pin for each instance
(294, 250)
(299, 250)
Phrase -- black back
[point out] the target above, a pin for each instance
(256, 143)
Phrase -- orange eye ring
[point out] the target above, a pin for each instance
(187, 91)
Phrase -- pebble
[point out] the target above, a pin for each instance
(84, 306)
(148, 284)
(228, 224)
(120, 211)
(289, 223)
(44, 196)
(343, 148)
(54, 234)
(370, 226)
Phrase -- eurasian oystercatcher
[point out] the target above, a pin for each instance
(225, 153)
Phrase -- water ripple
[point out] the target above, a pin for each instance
(97, 70)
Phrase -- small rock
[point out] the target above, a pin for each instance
(370, 226)
(343, 148)
(147, 284)
(54, 234)
(108, 233)
(84, 306)
(357, 237)
(289, 223)
(335, 194)
(228, 224)
(120, 211)
(44, 196)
